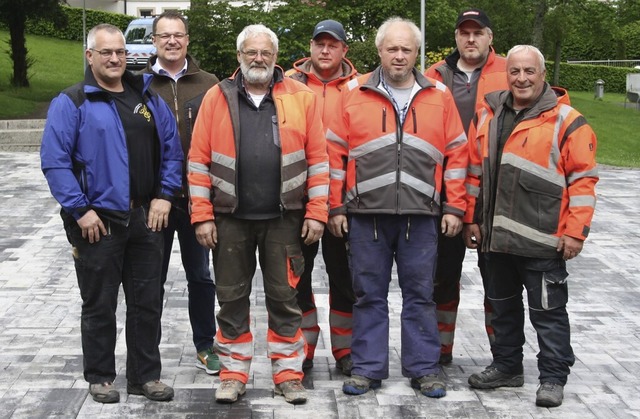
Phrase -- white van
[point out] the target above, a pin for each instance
(139, 44)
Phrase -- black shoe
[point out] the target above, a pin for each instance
(446, 359)
(307, 364)
(345, 364)
(492, 378)
(549, 395)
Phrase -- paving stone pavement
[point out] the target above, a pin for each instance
(41, 359)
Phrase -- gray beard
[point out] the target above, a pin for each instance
(257, 75)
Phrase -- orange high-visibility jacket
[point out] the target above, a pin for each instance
(544, 186)
(212, 158)
(397, 169)
(493, 75)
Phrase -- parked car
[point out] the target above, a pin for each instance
(139, 44)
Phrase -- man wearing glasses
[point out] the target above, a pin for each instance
(258, 152)
(182, 84)
(112, 158)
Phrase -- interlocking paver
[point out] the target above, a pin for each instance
(41, 358)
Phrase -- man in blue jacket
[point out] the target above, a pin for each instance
(113, 160)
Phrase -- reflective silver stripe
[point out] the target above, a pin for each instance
(335, 138)
(549, 174)
(377, 182)
(311, 336)
(340, 321)
(446, 317)
(340, 341)
(234, 357)
(424, 146)
(457, 142)
(472, 190)
(294, 157)
(199, 191)
(309, 319)
(223, 185)
(371, 146)
(440, 86)
(475, 169)
(446, 338)
(582, 201)
(352, 84)
(525, 231)
(579, 175)
(419, 185)
(554, 155)
(317, 169)
(482, 119)
(223, 160)
(198, 168)
(455, 174)
(318, 191)
(296, 182)
(286, 356)
(337, 174)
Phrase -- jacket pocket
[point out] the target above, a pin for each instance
(538, 202)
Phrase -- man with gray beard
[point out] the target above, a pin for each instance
(258, 178)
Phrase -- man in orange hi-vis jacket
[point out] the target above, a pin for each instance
(531, 196)
(258, 178)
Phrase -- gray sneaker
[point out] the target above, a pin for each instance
(549, 395)
(293, 391)
(153, 390)
(430, 385)
(491, 377)
(104, 392)
(229, 390)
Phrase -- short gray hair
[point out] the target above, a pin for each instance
(528, 48)
(91, 36)
(382, 30)
(253, 31)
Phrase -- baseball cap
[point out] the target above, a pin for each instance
(476, 15)
(331, 27)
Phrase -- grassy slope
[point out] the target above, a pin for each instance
(617, 128)
(58, 64)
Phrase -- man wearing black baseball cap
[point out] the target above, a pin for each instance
(470, 72)
(325, 71)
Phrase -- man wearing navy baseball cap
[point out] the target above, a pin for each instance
(325, 71)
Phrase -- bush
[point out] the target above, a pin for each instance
(73, 30)
(581, 77)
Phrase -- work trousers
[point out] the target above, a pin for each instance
(451, 252)
(130, 256)
(375, 242)
(341, 296)
(281, 261)
(195, 261)
(547, 295)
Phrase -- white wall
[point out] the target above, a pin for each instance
(133, 8)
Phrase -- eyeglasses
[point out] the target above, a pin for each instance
(178, 36)
(107, 53)
(252, 53)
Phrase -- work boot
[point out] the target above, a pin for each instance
(104, 392)
(491, 377)
(153, 390)
(307, 364)
(549, 395)
(357, 385)
(229, 390)
(430, 385)
(293, 391)
(345, 364)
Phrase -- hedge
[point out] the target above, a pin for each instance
(73, 29)
(582, 77)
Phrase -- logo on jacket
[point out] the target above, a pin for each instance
(142, 109)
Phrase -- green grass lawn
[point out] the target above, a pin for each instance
(58, 64)
(617, 128)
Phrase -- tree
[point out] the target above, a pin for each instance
(15, 14)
